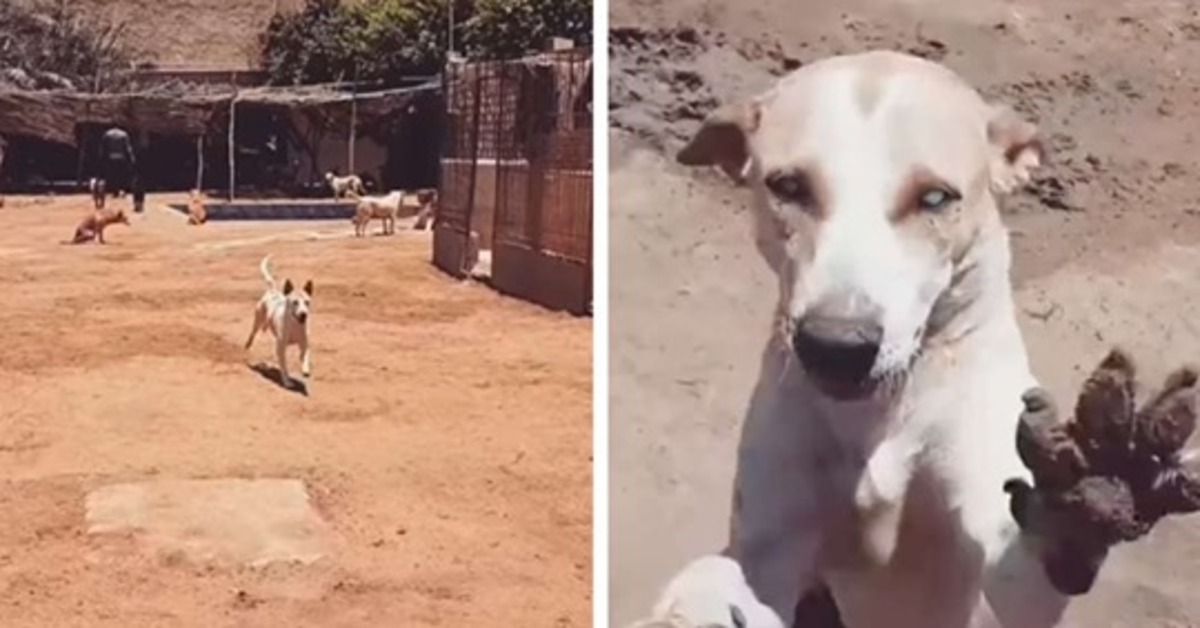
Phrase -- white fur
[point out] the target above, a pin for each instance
(342, 186)
(894, 500)
(702, 595)
(286, 313)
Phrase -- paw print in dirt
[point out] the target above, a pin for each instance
(1109, 474)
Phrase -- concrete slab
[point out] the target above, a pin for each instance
(252, 522)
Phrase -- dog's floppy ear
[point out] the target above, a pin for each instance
(308, 287)
(1017, 149)
(288, 287)
(723, 140)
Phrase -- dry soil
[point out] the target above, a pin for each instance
(444, 442)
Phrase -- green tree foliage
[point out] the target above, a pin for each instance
(316, 45)
(383, 40)
(502, 29)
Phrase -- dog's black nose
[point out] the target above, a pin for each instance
(838, 350)
(302, 317)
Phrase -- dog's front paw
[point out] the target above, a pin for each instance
(710, 592)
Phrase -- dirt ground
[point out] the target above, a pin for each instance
(444, 440)
(1105, 242)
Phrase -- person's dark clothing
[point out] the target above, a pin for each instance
(118, 160)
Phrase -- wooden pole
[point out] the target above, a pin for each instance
(200, 162)
(353, 119)
(232, 160)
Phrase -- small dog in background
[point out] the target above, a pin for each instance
(197, 214)
(96, 187)
(419, 203)
(349, 185)
(286, 314)
(92, 227)
(428, 211)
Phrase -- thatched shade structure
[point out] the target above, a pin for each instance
(52, 116)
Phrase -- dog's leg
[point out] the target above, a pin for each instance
(305, 359)
(100, 236)
(778, 551)
(260, 317)
(281, 356)
(777, 529)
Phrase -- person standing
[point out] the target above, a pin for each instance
(119, 161)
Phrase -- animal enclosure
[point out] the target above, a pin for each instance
(517, 176)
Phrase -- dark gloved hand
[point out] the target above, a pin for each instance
(1108, 475)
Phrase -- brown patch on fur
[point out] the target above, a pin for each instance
(908, 199)
(816, 188)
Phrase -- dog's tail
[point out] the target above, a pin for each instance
(265, 269)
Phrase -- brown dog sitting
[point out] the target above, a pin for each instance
(92, 227)
(197, 214)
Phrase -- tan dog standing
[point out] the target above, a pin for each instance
(92, 227)
(286, 314)
(197, 214)
(350, 185)
(383, 208)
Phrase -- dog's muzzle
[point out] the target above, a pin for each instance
(302, 317)
(837, 342)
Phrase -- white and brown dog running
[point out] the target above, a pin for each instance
(286, 313)
(881, 432)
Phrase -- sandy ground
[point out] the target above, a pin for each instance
(445, 438)
(1105, 241)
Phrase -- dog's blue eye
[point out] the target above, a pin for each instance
(935, 199)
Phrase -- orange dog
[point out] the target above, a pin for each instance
(92, 227)
(197, 214)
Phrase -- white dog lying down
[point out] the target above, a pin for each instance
(350, 184)
(710, 592)
(880, 435)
